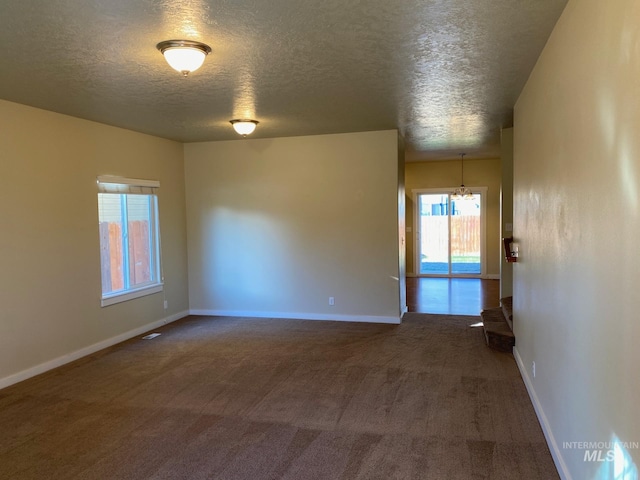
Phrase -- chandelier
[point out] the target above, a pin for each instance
(462, 192)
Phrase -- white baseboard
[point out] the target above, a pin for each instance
(561, 466)
(298, 316)
(491, 276)
(83, 352)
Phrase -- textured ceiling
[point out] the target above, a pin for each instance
(446, 73)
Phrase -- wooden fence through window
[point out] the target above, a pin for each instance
(112, 258)
(465, 236)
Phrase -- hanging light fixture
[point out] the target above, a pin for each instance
(244, 127)
(462, 192)
(185, 56)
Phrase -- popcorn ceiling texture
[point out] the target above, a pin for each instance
(446, 74)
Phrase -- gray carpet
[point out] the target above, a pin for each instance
(223, 398)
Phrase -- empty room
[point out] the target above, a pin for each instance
(325, 240)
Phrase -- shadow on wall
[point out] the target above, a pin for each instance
(248, 254)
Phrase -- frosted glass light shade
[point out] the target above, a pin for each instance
(244, 127)
(184, 56)
(184, 59)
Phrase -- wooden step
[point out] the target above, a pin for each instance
(497, 333)
(507, 309)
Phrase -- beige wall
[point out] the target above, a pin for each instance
(577, 219)
(49, 246)
(277, 226)
(446, 174)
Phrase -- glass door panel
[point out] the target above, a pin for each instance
(434, 234)
(465, 236)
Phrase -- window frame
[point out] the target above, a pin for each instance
(127, 187)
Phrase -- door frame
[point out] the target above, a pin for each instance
(482, 191)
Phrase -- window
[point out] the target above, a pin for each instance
(129, 239)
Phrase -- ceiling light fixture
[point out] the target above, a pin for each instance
(244, 127)
(462, 192)
(185, 56)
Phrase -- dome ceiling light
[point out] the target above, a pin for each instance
(185, 56)
(244, 127)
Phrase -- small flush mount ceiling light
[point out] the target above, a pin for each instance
(462, 192)
(244, 127)
(185, 56)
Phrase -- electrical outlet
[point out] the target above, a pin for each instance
(166, 304)
(332, 301)
(533, 369)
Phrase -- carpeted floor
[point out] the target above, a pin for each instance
(224, 398)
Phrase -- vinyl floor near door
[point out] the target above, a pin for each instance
(452, 296)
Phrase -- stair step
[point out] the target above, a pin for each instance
(497, 332)
(507, 309)
(493, 315)
(503, 341)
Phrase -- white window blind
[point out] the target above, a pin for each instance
(112, 184)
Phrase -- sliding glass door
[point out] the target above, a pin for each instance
(449, 234)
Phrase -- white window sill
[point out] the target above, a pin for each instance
(131, 294)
